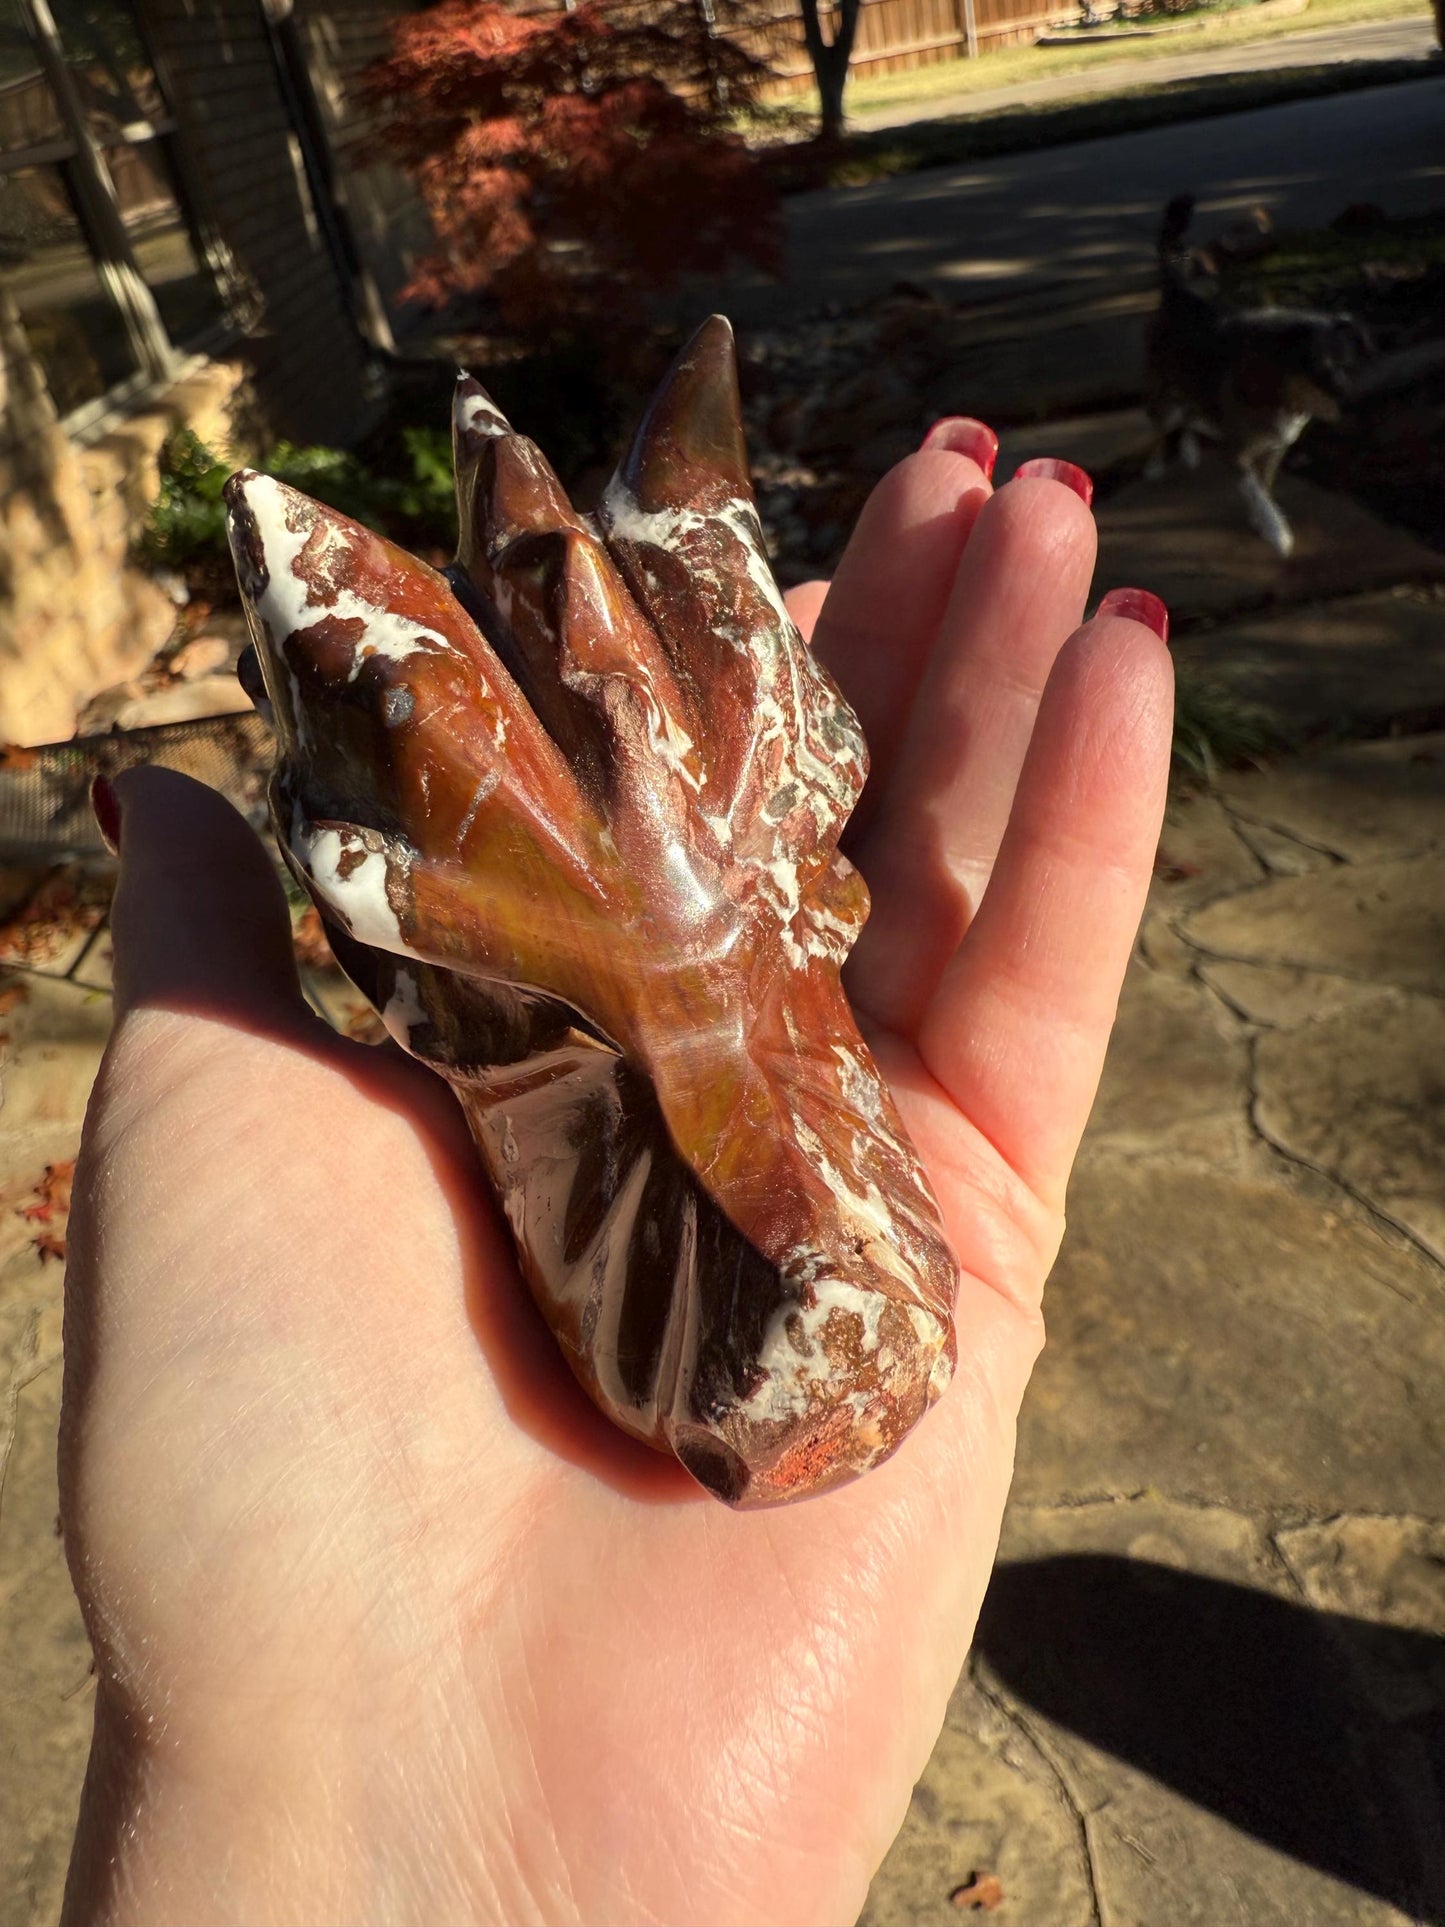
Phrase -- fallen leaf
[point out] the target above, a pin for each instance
(979, 1890)
(65, 908)
(51, 1195)
(1169, 869)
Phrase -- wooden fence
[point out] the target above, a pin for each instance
(894, 35)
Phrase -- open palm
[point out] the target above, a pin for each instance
(391, 1625)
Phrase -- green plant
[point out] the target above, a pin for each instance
(1214, 730)
(188, 519)
(188, 522)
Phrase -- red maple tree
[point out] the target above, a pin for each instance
(572, 162)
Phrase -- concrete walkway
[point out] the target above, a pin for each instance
(1412, 38)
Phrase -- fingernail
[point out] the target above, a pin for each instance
(1049, 468)
(106, 804)
(1139, 606)
(965, 436)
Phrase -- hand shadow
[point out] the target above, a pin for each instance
(1320, 1734)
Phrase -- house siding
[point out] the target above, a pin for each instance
(340, 39)
(243, 161)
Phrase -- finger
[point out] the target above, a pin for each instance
(200, 918)
(1017, 1030)
(880, 621)
(1018, 594)
(803, 604)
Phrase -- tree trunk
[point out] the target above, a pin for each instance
(830, 60)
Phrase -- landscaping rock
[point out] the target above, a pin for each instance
(185, 702)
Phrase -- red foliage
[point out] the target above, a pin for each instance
(571, 162)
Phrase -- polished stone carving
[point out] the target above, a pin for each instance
(570, 811)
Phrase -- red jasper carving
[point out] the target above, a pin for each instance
(571, 812)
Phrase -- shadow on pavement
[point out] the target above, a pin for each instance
(1322, 1735)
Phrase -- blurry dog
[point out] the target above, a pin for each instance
(1251, 381)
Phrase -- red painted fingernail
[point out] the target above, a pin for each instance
(1049, 468)
(1139, 605)
(106, 804)
(965, 436)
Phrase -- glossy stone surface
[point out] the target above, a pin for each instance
(570, 811)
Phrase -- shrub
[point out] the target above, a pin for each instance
(572, 163)
(188, 523)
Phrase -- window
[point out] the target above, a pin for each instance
(97, 243)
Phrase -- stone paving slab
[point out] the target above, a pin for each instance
(1237, 1339)
(1217, 1616)
(1381, 923)
(1363, 800)
(1154, 1666)
(1281, 996)
(55, 1034)
(990, 1801)
(1385, 1570)
(1358, 663)
(1177, 1073)
(46, 1688)
(1202, 856)
(1095, 441)
(1187, 538)
(1361, 1095)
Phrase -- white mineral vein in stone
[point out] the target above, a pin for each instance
(479, 416)
(358, 899)
(790, 694)
(404, 1009)
(290, 602)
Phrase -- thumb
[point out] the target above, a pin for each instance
(200, 920)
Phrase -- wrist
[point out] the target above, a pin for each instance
(297, 1825)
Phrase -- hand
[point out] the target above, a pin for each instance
(390, 1625)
